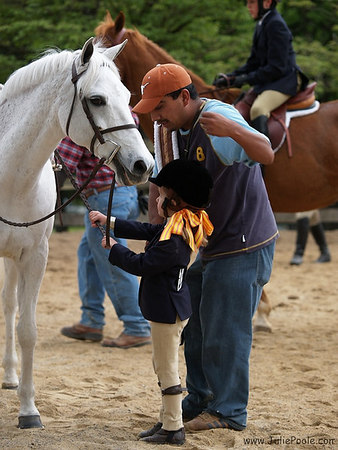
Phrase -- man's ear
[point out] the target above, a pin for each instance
(185, 96)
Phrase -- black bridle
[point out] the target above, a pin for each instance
(98, 132)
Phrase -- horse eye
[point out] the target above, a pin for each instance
(97, 101)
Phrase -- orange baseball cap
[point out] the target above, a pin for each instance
(158, 82)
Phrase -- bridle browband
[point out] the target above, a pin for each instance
(98, 133)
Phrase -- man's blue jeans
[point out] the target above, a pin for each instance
(225, 294)
(96, 275)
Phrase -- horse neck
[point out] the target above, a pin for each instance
(30, 133)
(139, 56)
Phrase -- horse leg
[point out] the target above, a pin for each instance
(31, 270)
(9, 302)
(261, 320)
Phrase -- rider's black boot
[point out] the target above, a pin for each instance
(302, 235)
(319, 236)
(261, 124)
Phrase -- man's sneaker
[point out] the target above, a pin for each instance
(205, 421)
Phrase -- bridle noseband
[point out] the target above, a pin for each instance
(98, 133)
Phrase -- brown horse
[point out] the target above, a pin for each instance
(308, 180)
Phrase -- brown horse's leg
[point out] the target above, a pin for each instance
(261, 322)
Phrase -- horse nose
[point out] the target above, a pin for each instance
(140, 168)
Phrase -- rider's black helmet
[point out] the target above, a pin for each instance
(262, 10)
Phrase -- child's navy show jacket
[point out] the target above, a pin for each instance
(163, 292)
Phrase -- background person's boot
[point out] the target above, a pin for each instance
(302, 227)
(319, 236)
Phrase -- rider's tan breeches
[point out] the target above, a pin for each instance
(266, 102)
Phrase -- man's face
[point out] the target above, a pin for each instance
(170, 113)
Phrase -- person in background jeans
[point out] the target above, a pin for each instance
(96, 275)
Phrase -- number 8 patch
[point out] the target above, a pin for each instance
(200, 154)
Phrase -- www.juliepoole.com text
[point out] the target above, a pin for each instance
(290, 440)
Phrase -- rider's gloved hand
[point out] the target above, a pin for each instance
(239, 80)
(223, 80)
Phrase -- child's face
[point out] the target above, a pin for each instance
(160, 199)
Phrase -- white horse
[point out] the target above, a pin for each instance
(76, 93)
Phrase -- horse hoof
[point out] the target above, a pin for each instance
(9, 386)
(30, 422)
(262, 328)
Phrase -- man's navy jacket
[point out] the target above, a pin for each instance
(163, 292)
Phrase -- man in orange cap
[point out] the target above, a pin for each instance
(228, 275)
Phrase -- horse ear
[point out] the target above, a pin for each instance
(113, 52)
(119, 22)
(87, 51)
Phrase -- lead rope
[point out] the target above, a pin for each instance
(110, 202)
(76, 186)
(78, 192)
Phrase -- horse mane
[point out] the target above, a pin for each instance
(108, 30)
(54, 61)
(142, 42)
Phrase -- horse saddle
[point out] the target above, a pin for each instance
(301, 104)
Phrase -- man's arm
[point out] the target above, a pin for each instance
(255, 145)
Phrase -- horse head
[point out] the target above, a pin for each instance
(100, 94)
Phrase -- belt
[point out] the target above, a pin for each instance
(89, 192)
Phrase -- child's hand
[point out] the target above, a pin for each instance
(111, 242)
(96, 216)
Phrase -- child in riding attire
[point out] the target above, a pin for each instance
(271, 67)
(164, 297)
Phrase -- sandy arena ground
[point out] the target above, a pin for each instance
(92, 397)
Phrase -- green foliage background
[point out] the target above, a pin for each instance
(208, 36)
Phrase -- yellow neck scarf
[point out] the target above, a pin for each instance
(186, 219)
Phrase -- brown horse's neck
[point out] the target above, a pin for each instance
(139, 56)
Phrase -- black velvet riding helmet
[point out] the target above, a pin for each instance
(189, 179)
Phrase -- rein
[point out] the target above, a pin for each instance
(84, 198)
(79, 191)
